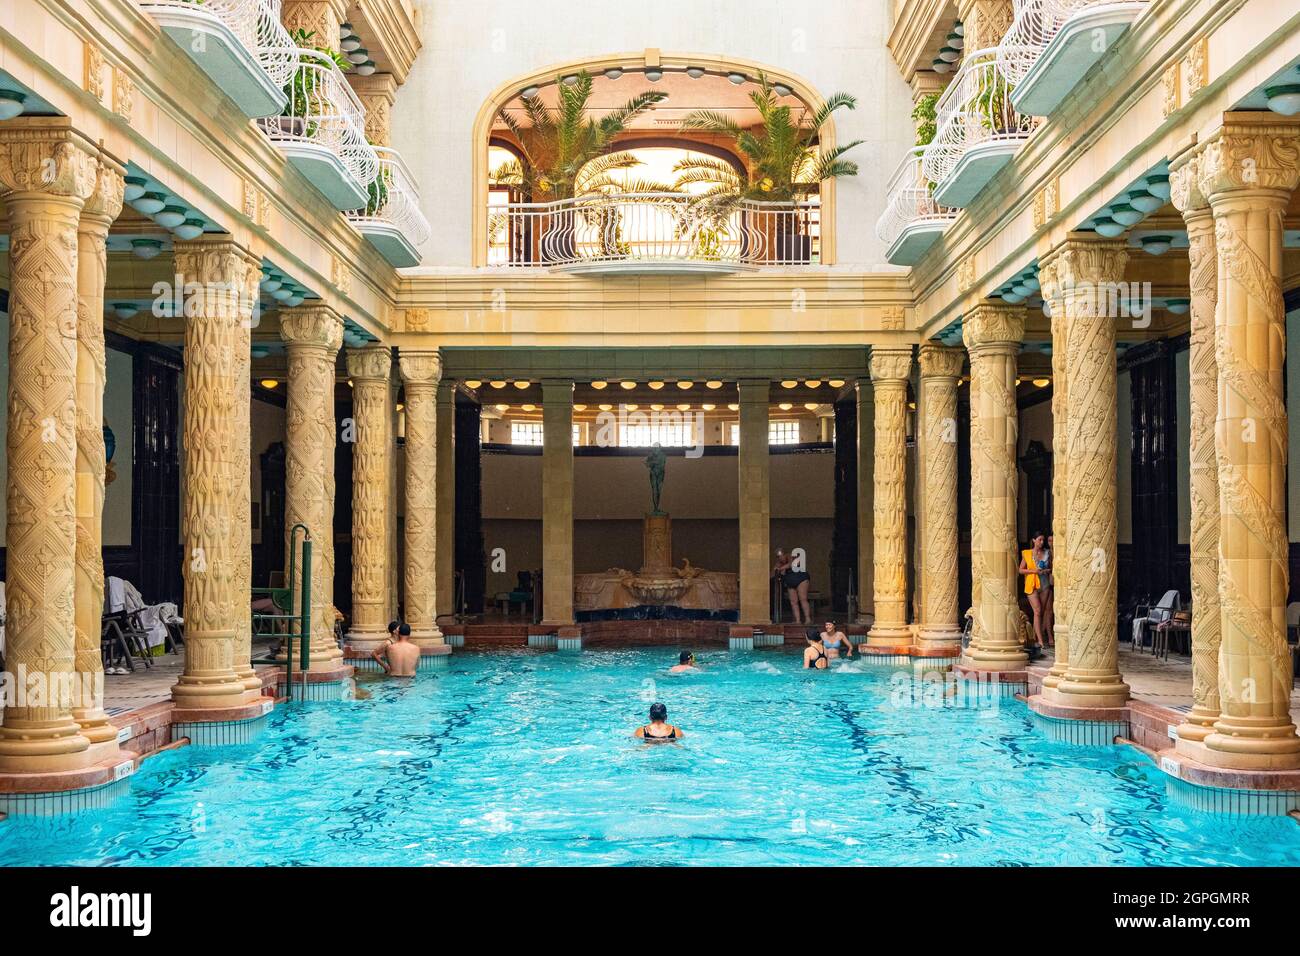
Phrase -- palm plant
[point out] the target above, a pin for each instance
(783, 161)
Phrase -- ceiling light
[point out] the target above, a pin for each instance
(1144, 201)
(656, 385)
(684, 407)
(359, 55)
(789, 383)
(939, 66)
(1178, 306)
(1108, 228)
(955, 40)
(599, 385)
(737, 78)
(570, 80)
(1156, 245)
(529, 408)
(146, 248)
(694, 72)
(190, 229)
(627, 386)
(503, 408)
(708, 407)
(11, 103)
(134, 188)
(268, 383)
(782, 90)
(949, 55)
(631, 408)
(1284, 99)
(124, 310)
(1125, 214)
(579, 408)
(367, 69)
(150, 203)
(605, 408)
(169, 217)
(813, 383)
(613, 73)
(284, 292)
(523, 383)
(528, 92)
(350, 42)
(685, 384)
(785, 406)
(1158, 185)
(497, 384)
(1042, 382)
(656, 407)
(836, 383)
(734, 407)
(270, 282)
(958, 28)
(654, 76)
(811, 406)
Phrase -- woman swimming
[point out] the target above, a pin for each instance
(833, 639)
(659, 729)
(814, 655)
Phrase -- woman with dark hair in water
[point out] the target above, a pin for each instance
(659, 728)
(814, 655)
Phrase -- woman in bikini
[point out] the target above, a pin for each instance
(833, 640)
(659, 729)
(1036, 568)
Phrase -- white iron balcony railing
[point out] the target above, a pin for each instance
(1053, 43)
(322, 130)
(912, 220)
(977, 131)
(391, 219)
(647, 232)
(240, 44)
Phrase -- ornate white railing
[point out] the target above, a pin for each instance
(394, 199)
(973, 110)
(1036, 23)
(323, 111)
(910, 200)
(652, 228)
(254, 23)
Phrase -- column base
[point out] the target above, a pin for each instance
(221, 727)
(1198, 725)
(995, 659)
(429, 636)
(887, 634)
(1083, 689)
(252, 683)
(43, 749)
(1252, 743)
(982, 682)
(67, 791)
(938, 636)
(95, 725)
(194, 692)
(366, 640)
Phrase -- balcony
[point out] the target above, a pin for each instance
(978, 131)
(392, 220)
(1052, 44)
(239, 44)
(640, 233)
(321, 131)
(912, 220)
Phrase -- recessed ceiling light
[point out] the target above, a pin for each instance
(713, 383)
(1157, 245)
(654, 76)
(627, 386)
(1284, 99)
(146, 248)
(694, 72)
(737, 78)
(11, 104)
(599, 385)
(613, 73)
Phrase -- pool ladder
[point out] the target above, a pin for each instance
(282, 598)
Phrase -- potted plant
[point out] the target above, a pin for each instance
(784, 164)
(301, 89)
(993, 105)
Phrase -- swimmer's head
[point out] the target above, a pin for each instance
(829, 627)
(813, 638)
(658, 712)
(685, 657)
(404, 630)
(392, 627)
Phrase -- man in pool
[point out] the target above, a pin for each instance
(685, 664)
(399, 658)
(658, 729)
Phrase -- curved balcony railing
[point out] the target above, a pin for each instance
(392, 219)
(910, 202)
(1083, 31)
(974, 110)
(323, 113)
(632, 231)
(225, 37)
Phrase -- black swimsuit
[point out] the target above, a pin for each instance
(821, 656)
(645, 734)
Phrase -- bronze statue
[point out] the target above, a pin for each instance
(655, 462)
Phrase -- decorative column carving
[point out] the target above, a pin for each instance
(1088, 269)
(421, 372)
(377, 93)
(242, 487)
(940, 373)
(46, 176)
(1061, 592)
(1204, 484)
(446, 523)
(313, 334)
(992, 333)
(866, 397)
(97, 216)
(217, 274)
(557, 501)
(890, 370)
(1248, 170)
(321, 17)
(986, 21)
(755, 504)
(369, 369)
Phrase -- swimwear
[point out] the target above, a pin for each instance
(645, 733)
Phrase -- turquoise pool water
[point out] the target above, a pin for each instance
(525, 758)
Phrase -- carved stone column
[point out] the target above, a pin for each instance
(992, 333)
(46, 175)
(92, 266)
(321, 17)
(446, 523)
(217, 274)
(890, 370)
(421, 372)
(1061, 592)
(986, 22)
(866, 396)
(557, 501)
(376, 93)
(1204, 484)
(369, 370)
(940, 373)
(242, 487)
(1248, 172)
(1087, 269)
(313, 335)
(755, 504)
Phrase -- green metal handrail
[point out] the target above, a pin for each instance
(303, 634)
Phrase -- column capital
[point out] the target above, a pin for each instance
(993, 325)
(313, 325)
(941, 361)
(1185, 182)
(46, 157)
(219, 261)
(890, 364)
(420, 367)
(321, 17)
(1085, 261)
(373, 363)
(105, 202)
(377, 94)
(1250, 152)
